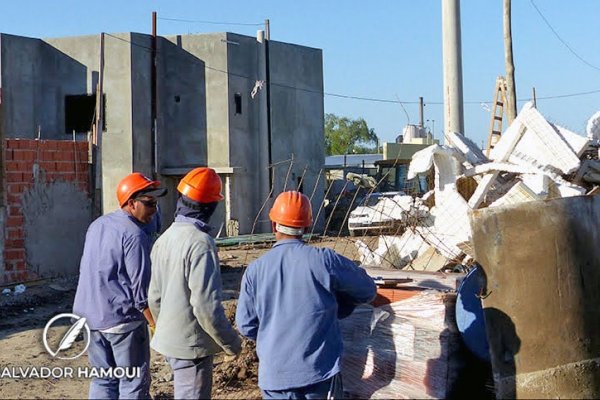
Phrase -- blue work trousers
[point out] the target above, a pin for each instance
(192, 378)
(328, 389)
(109, 350)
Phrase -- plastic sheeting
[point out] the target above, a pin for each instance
(406, 349)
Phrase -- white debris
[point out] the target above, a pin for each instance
(576, 142)
(519, 193)
(545, 144)
(6, 291)
(533, 160)
(19, 289)
(471, 151)
(392, 251)
(593, 127)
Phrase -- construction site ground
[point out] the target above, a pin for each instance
(23, 317)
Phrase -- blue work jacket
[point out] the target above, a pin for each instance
(288, 303)
(114, 272)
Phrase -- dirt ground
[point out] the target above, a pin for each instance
(23, 317)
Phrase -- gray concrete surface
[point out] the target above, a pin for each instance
(56, 217)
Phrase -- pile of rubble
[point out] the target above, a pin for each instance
(534, 159)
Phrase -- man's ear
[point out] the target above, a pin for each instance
(130, 204)
(273, 225)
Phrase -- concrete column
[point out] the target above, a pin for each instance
(453, 92)
(263, 134)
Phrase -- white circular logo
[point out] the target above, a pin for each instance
(78, 324)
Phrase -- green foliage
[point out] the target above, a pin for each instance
(346, 136)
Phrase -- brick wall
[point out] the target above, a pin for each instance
(28, 162)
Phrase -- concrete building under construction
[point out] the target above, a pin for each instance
(248, 107)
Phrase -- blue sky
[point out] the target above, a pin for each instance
(389, 50)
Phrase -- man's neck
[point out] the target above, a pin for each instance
(282, 236)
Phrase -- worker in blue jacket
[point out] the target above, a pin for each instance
(290, 301)
(112, 293)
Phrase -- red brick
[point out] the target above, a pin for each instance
(14, 254)
(14, 244)
(25, 166)
(66, 145)
(14, 177)
(15, 188)
(8, 154)
(15, 233)
(27, 176)
(8, 266)
(20, 264)
(13, 198)
(11, 144)
(83, 146)
(23, 274)
(15, 211)
(65, 167)
(24, 155)
(12, 166)
(14, 221)
(85, 167)
(47, 155)
(70, 176)
(48, 166)
(25, 144)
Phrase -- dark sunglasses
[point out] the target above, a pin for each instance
(148, 203)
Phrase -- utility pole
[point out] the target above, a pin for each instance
(153, 110)
(511, 95)
(421, 125)
(453, 90)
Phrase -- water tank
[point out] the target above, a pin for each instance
(411, 132)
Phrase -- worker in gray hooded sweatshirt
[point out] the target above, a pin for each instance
(185, 289)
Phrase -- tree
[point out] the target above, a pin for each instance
(344, 135)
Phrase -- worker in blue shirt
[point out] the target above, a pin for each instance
(112, 293)
(290, 301)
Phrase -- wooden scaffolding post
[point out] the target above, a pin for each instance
(497, 114)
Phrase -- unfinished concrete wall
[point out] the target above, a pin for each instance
(248, 151)
(140, 106)
(48, 208)
(297, 114)
(181, 91)
(205, 114)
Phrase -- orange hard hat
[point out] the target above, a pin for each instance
(292, 209)
(134, 183)
(202, 185)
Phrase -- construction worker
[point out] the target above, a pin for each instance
(290, 301)
(112, 293)
(185, 289)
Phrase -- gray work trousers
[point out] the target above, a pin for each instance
(109, 350)
(192, 378)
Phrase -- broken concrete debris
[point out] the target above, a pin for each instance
(534, 159)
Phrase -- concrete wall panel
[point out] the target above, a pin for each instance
(20, 85)
(297, 115)
(56, 218)
(181, 107)
(212, 51)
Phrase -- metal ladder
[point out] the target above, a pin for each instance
(497, 114)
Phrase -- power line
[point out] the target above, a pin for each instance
(210, 22)
(361, 98)
(561, 39)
